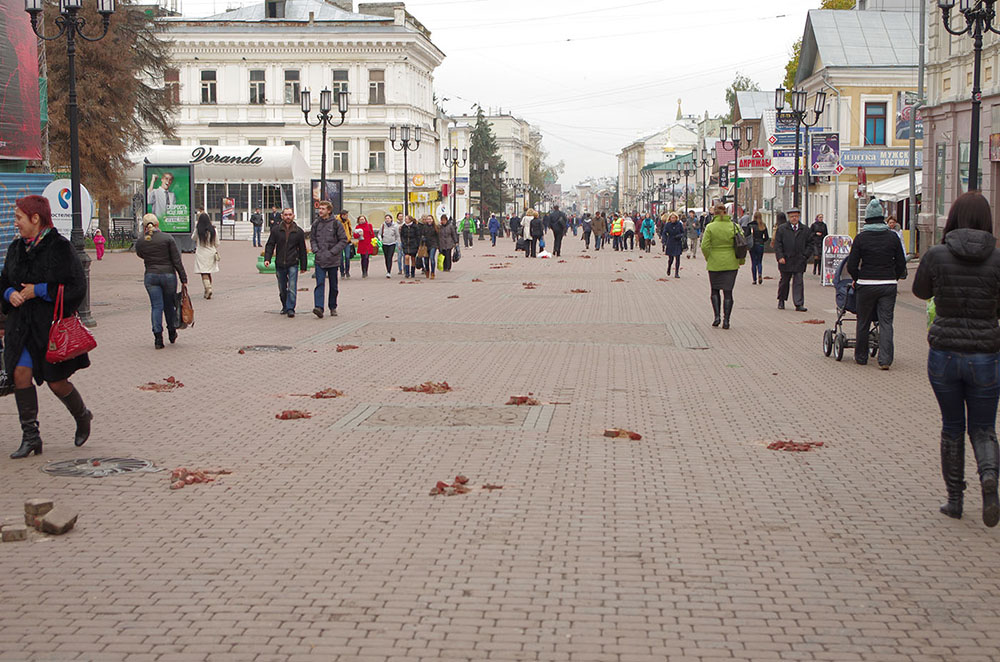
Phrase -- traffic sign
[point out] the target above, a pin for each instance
(839, 169)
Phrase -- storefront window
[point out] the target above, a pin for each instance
(940, 170)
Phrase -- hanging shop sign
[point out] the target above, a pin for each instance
(204, 154)
(879, 158)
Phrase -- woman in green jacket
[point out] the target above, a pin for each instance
(720, 255)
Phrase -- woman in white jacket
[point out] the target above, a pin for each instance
(206, 253)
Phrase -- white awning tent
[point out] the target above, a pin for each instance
(276, 164)
(894, 189)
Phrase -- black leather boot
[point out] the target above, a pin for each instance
(953, 472)
(27, 411)
(80, 413)
(984, 445)
(172, 335)
(717, 308)
(158, 340)
(727, 311)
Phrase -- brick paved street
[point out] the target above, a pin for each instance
(695, 543)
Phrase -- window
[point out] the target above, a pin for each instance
(171, 141)
(275, 8)
(209, 141)
(339, 83)
(208, 88)
(292, 86)
(875, 123)
(172, 85)
(294, 143)
(940, 167)
(256, 86)
(946, 85)
(257, 142)
(376, 156)
(339, 156)
(963, 165)
(376, 87)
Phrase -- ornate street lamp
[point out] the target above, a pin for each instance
(672, 181)
(325, 119)
(404, 147)
(703, 161)
(687, 170)
(799, 112)
(740, 137)
(979, 15)
(451, 161)
(71, 25)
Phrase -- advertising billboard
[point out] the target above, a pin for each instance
(334, 194)
(169, 194)
(20, 106)
(824, 154)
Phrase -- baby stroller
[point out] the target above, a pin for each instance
(835, 341)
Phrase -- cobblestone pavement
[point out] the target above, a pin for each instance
(695, 543)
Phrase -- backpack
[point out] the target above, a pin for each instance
(740, 245)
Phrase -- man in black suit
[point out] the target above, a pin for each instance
(793, 246)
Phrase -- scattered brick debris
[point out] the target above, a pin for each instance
(491, 487)
(618, 280)
(530, 286)
(95, 463)
(453, 296)
(242, 351)
(392, 340)
(303, 289)
(768, 278)
(489, 255)
(584, 257)
(663, 280)
(182, 476)
(620, 433)
(327, 393)
(477, 280)
(630, 260)
(169, 384)
(344, 348)
(501, 265)
(409, 282)
(428, 387)
(813, 322)
(458, 487)
(560, 261)
(292, 414)
(522, 400)
(580, 291)
(794, 446)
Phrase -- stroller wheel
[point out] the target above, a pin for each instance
(839, 343)
(828, 342)
(873, 349)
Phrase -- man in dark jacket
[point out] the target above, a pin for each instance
(515, 228)
(274, 217)
(557, 223)
(820, 232)
(876, 262)
(287, 244)
(327, 240)
(257, 221)
(537, 230)
(793, 245)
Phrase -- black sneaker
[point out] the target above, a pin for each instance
(781, 305)
(291, 313)
(318, 312)
(333, 312)
(800, 309)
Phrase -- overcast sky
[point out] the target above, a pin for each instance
(596, 74)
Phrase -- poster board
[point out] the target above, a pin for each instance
(836, 248)
(169, 193)
(334, 194)
(20, 109)
(229, 211)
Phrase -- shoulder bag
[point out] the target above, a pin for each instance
(68, 337)
(740, 246)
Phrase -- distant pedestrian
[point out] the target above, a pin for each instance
(287, 244)
(206, 252)
(409, 243)
(628, 233)
(364, 235)
(515, 228)
(693, 234)
(99, 242)
(673, 237)
(429, 240)
(963, 275)
(876, 262)
(600, 227)
(557, 223)
(274, 218)
(617, 231)
(494, 228)
(447, 240)
(587, 231)
(399, 253)
(757, 237)
(389, 236)
(467, 228)
(896, 230)
(646, 232)
(820, 232)
(257, 221)
(163, 264)
(533, 231)
(722, 263)
(327, 240)
(793, 246)
(352, 244)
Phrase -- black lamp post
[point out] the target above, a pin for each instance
(482, 173)
(740, 137)
(451, 161)
(325, 119)
(404, 147)
(71, 24)
(687, 170)
(799, 112)
(979, 15)
(661, 194)
(672, 181)
(703, 161)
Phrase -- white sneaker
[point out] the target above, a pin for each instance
(388, 275)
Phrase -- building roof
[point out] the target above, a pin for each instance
(753, 103)
(670, 164)
(841, 38)
(295, 10)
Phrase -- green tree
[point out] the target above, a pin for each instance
(483, 150)
(792, 66)
(740, 84)
(121, 103)
(540, 172)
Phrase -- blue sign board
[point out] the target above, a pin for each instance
(879, 158)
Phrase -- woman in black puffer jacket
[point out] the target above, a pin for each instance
(963, 276)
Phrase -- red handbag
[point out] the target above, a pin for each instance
(68, 337)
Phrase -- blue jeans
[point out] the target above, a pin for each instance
(756, 262)
(288, 283)
(256, 235)
(399, 258)
(345, 262)
(321, 275)
(162, 290)
(965, 383)
(430, 262)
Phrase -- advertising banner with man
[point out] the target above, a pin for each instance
(824, 154)
(169, 193)
(20, 106)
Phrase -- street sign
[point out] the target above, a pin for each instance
(749, 162)
(756, 153)
(724, 176)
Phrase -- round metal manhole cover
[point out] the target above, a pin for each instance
(97, 467)
(266, 348)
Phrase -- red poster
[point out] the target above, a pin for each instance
(20, 114)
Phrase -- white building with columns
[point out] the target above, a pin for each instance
(238, 79)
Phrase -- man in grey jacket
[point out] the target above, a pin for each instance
(327, 240)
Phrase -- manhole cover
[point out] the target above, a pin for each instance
(97, 467)
(266, 348)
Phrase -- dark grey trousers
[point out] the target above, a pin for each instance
(798, 295)
(875, 302)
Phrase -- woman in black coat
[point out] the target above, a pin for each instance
(37, 263)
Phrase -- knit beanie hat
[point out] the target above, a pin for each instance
(874, 211)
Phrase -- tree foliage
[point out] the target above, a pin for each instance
(837, 4)
(740, 84)
(540, 172)
(121, 103)
(483, 149)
